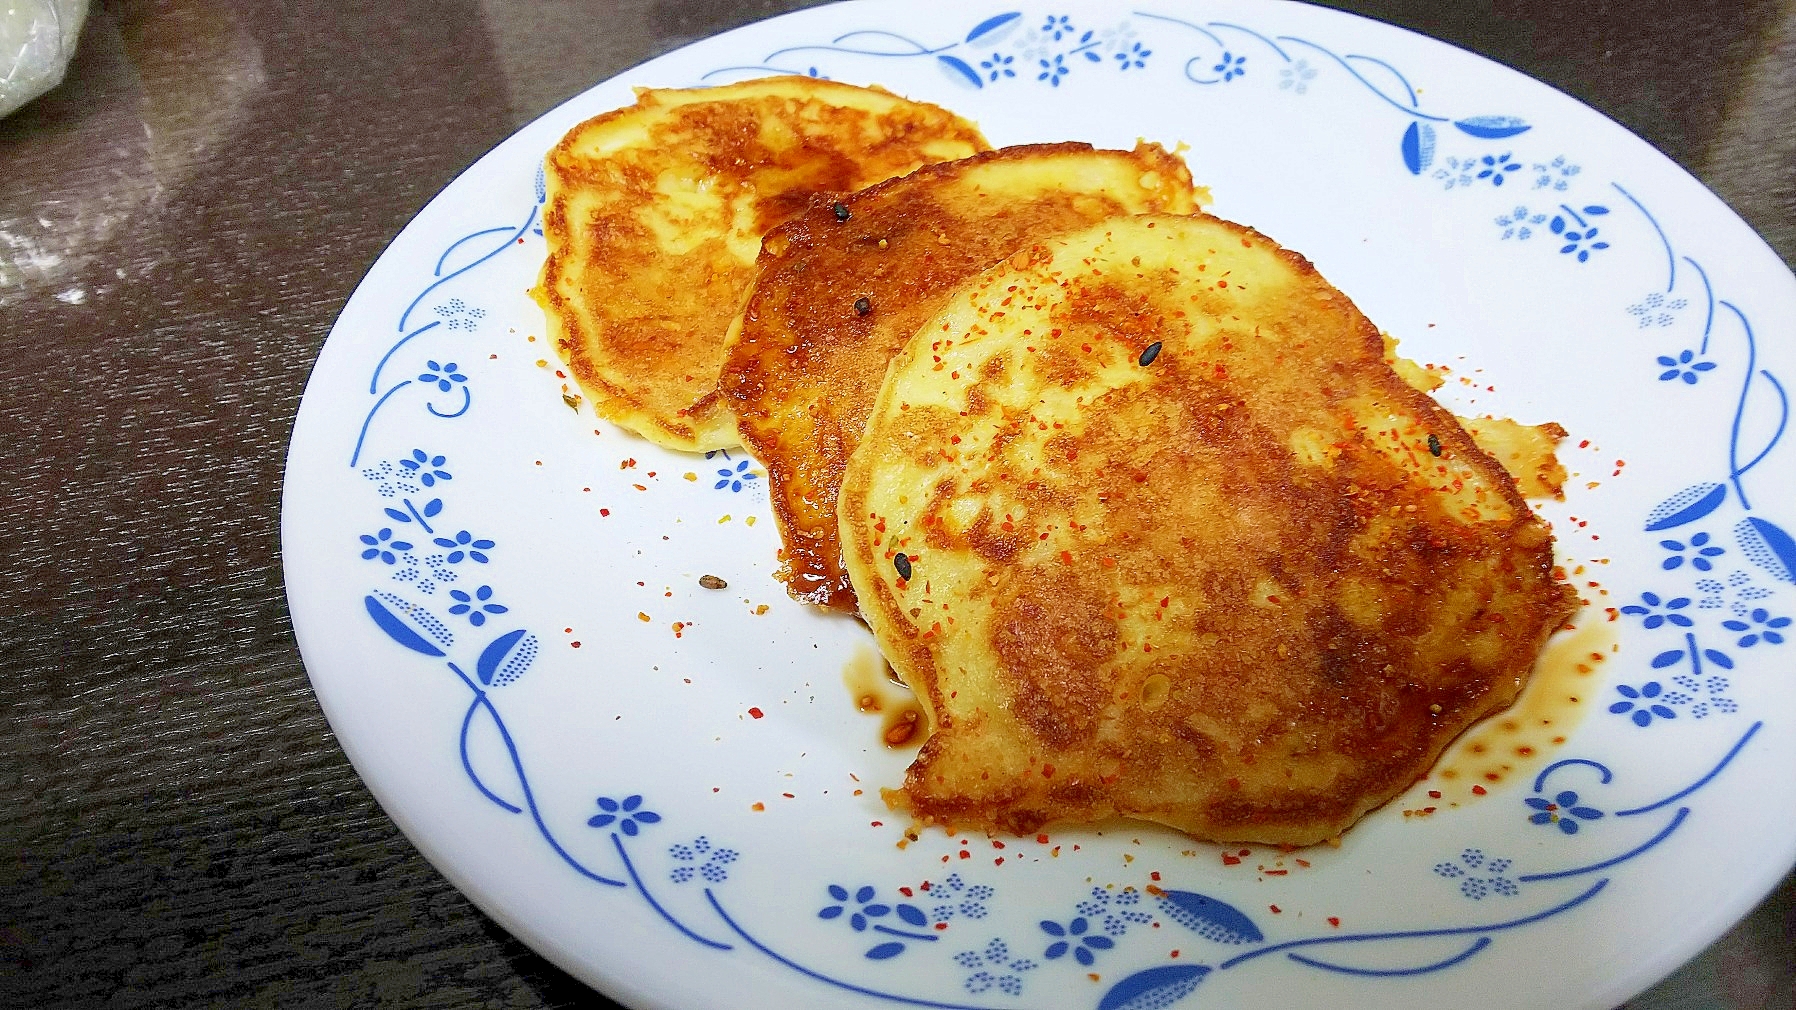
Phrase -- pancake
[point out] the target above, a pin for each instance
(1154, 531)
(654, 216)
(841, 286)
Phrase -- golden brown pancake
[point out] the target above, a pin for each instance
(655, 213)
(1164, 537)
(842, 286)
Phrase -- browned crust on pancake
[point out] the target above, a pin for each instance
(641, 327)
(1281, 721)
(806, 365)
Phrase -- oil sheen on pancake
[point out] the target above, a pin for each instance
(1155, 532)
(654, 216)
(845, 283)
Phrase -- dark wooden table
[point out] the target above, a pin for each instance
(180, 222)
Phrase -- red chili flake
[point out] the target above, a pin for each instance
(1304, 863)
(1228, 860)
(1277, 873)
(964, 854)
(1434, 794)
(1335, 921)
(1173, 953)
(1043, 839)
(997, 843)
(1478, 791)
(573, 645)
(604, 512)
(998, 861)
(1066, 557)
(1275, 909)
(756, 713)
(941, 925)
(907, 892)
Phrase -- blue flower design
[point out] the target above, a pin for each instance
(1231, 67)
(1563, 810)
(998, 66)
(1763, 627)
(443, 376)
(458, 315)
(1716, 689)
(426, 468)
(961, 898)
(1076, 937)
(1053, 71)
(1644, 702)
(699, 858)
(1699, 544)
(1519, 223)
(1557, 173)
(1651, 619)
(866, 909)
(382, 545)
(995, 955)
(1581, 240)
(734, 479)
(629, 816)
(463, 546)
(1479, 876)
(1134, 56)
(1118, 910)
(1655, 308)
(1739, 586)
(1297, 77)
(1058, 27)
(475, 606)
(1497, 167)
(1681, 367)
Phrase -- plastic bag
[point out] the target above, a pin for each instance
(37, 37)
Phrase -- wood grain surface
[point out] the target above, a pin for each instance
(180, 222)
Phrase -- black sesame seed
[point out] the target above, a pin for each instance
(1150, 353)
(841, 210)
(1434, 444)
(862, 306)
(902, 563)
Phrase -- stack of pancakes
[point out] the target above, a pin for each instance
(1129, 495)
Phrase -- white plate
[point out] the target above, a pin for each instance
(486, 584)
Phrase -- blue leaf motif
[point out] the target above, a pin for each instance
(494, 654)
(432, 507)
(1665, 659)
(885, 951)
(1766, 544)
(1412, 148)
(1718, 658)
(1209, 918)
(913, 915)
(1596, 210)
(1154, 988)
(1492, 127)
(397, 630)
(961, 73)
(398, 515)
(989, 28)
(1687, 506)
